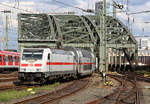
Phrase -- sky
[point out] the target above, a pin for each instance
(137, 22)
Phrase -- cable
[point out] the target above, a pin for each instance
(88, 10)
(16, 8)
(117, 12)
(145, 11)
(63, 3)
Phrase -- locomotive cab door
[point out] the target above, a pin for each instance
(48, 61)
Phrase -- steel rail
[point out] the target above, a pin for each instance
(127, 92)
(137, 101)
(13, 87)
(7, 75)
(8, 79)
(58, 94)
(115, 93)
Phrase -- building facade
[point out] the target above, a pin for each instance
(143, 42)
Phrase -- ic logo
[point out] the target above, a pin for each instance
(31, 65)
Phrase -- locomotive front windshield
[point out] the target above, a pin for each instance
(31, 54)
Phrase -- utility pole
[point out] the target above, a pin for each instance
(6, 28)
(103, 49)
(6, 33)
(2, 43)
(1, 36)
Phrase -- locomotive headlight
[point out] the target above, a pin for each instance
(38, 70)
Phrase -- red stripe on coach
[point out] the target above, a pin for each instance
(86, 63)
(65, 63)
(24, 65)
(38, 65)
(59, 63)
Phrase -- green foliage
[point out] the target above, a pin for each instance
(13, 94)
(45, 87)
(9, 95)
(142, 72)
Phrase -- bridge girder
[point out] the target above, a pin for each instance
(73, 30)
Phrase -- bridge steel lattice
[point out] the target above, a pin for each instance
(76, 31)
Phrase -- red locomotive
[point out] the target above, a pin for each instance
(9, 61)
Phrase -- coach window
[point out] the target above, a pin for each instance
(16, 59)
(0, 58)
(10, 59)
(13, 58)
(4, 59)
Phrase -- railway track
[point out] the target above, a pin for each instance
(10, 79)
(50, 97)
(6, 81)
(140, 77)
(6, 87)
(13, 87)
(8, 75)
(126, 93)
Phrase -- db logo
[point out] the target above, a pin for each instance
(31, 65)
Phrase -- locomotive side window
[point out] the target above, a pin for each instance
(87, 67)
(48, 56)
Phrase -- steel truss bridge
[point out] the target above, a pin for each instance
(77, 31)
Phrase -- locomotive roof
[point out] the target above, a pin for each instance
(8, 52)
(59, 51)
(53, 50)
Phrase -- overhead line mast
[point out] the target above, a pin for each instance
(103, 43)
(6, 28)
